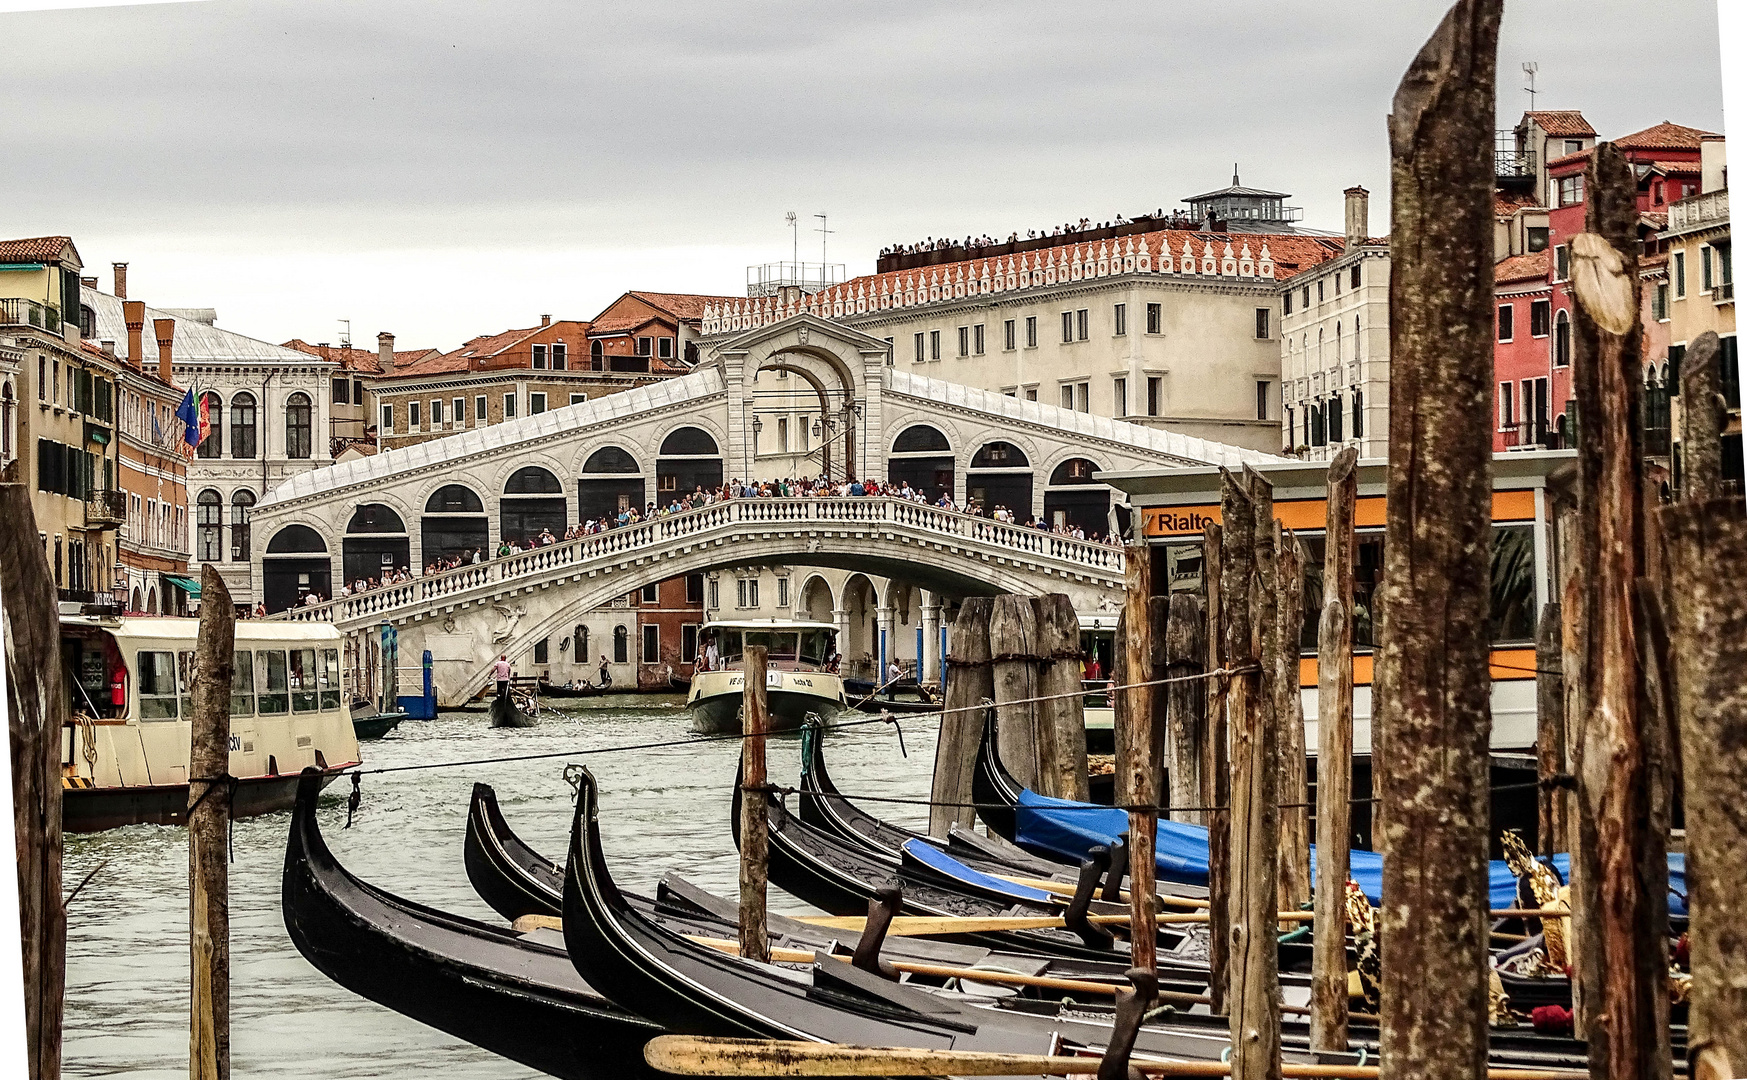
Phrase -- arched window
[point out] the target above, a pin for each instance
(213, 445)
(296, 539)
(1073, 471)
(533, 480)
(242, 502)
(920, 438)
(299, 444)
(621, 645)
(243, 425)
(454, 499)
(1000, 455)
(209, 515)
(610, 459)
(594, 355)
(1337, 340)
(375, 518)
(1319, 346)
(1562, 339)
(687, 441)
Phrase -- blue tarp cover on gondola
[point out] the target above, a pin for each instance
(939, 861)
(1069, 829)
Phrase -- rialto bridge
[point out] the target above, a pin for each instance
(838, 407)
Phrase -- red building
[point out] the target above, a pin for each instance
(668, 617)
(1532, 355)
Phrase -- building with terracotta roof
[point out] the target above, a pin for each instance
(1533, 373)
(1698, 295)
(1334, 347)
(1174, 328)
(60, 420)
(649, 331)
(269, 415)
(494, 377)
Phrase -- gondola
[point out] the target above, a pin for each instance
(376, 725)
(515, 995)
(553, 690)
(694, 990)
(515, 881)
(505, 713)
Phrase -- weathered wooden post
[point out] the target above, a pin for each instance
(1577, 550)
(1625, 880)
(754, 822)
(1013, 645)
(1184, 649)
(209, 812)
(1550, 731)
(1294, 790)
(1334, 760)
(1134, 741)
(1703, 414)
(1216, 776)
(1061, 720)
(1255, 990)
(1158, 611)
(1707, 546)
(1430, 701)
(961, 722)
(36, 706)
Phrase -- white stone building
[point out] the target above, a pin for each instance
(1334, 347)
(1172, 328)
(269, 409)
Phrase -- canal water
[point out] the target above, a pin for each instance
(662, 809)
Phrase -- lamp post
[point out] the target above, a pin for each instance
(118, 587)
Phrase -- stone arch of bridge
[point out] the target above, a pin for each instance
(792, 357)
(815, 600)
(515, 623)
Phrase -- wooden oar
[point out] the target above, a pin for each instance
(688, 1055)
(1063, 888)
(941, 925)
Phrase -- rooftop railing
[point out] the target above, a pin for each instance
(1699, 211)
(20, 311)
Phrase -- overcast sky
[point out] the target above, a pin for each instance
(445, 169)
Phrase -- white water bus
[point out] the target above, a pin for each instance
(797, 678)
(124, 750)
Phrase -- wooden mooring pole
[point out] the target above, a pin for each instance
(1139, 770)
(1061, 734)
(1334, 760)
(1255, 990)
(36, 706)
(1707, 547)
(1624, 879)
(1550, 733)
(1018, 733)
(1431, 708)
(1185, 704)
(754, 822)
(209, 814)
(1294, 790)
(1216, 776)
(961, 724)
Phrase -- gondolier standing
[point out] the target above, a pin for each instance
(606, 676)
(501, 672)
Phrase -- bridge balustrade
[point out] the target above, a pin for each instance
(663, 532)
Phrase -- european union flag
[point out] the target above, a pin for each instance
(190, 417)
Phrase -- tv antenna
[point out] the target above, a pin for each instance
(346, 334)
(1529, 69)
(795, 229)
(824, 238)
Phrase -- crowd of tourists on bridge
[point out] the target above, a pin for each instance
(820, 487)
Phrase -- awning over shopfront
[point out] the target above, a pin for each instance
(187, 585)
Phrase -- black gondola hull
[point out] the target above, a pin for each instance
(485, 985)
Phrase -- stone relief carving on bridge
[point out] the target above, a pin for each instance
(511, 617)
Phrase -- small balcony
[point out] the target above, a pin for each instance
(1710, 210)
(1723, 292)
(1532, 435)
(1510, 163)
(20, 311)
(107, 509)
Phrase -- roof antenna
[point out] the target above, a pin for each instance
(1529, 69)
(1234, 182)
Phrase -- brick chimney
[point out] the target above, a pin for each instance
(385, 352)
(88, 282)
(1358, 216)
(120, 280)
(134, 312)
(108, 346)
(545, 321)
(166, 331)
